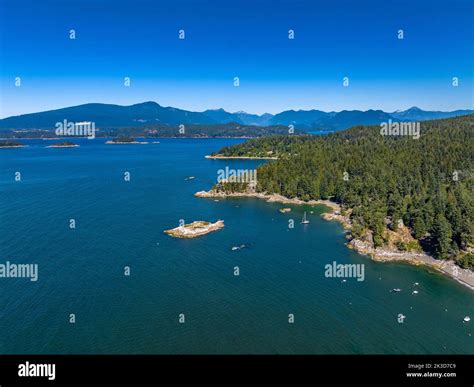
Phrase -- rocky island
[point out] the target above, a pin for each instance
(11, 144)
(195, 229)
(64, 144)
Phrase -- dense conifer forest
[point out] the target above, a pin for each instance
(427, 183)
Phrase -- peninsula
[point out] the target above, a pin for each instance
(397, 201)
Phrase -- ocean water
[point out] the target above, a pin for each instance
(120, 223)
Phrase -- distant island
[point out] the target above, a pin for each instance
(64, 144)
(125, 140)
(400, 198)
(11, 144)
(228, 130)
(195, 229)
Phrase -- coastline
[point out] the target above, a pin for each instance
(379, 254)
(125, 142)
(270, 198)
(220, 157)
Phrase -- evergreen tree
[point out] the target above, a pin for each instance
(442, 236)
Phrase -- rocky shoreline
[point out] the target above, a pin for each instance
(195, 229)
(270, 198)
(218, 157)
(379, 254)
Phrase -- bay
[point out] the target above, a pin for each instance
(120, 223)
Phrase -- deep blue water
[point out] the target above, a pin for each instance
(121, 223)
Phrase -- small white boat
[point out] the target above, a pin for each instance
(305, 220)
(415, 291)
(416, 283)
(467, 319)
(396, 290)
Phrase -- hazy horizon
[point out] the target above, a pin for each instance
(238, 111)
(243, 39)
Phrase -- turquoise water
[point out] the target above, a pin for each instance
(121, 223)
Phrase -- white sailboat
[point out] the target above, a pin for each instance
(304, 221)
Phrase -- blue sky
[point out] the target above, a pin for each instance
(245, 39)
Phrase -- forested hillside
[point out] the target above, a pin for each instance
(428, 182)
(170, 131)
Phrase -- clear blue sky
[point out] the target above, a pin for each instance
(245, 39)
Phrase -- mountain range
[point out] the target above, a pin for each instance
(151, 113)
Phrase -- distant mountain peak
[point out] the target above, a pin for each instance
(149, 112)
(150, 103)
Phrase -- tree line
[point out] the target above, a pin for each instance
(426, 183)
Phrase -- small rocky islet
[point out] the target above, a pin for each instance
(195, 229)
